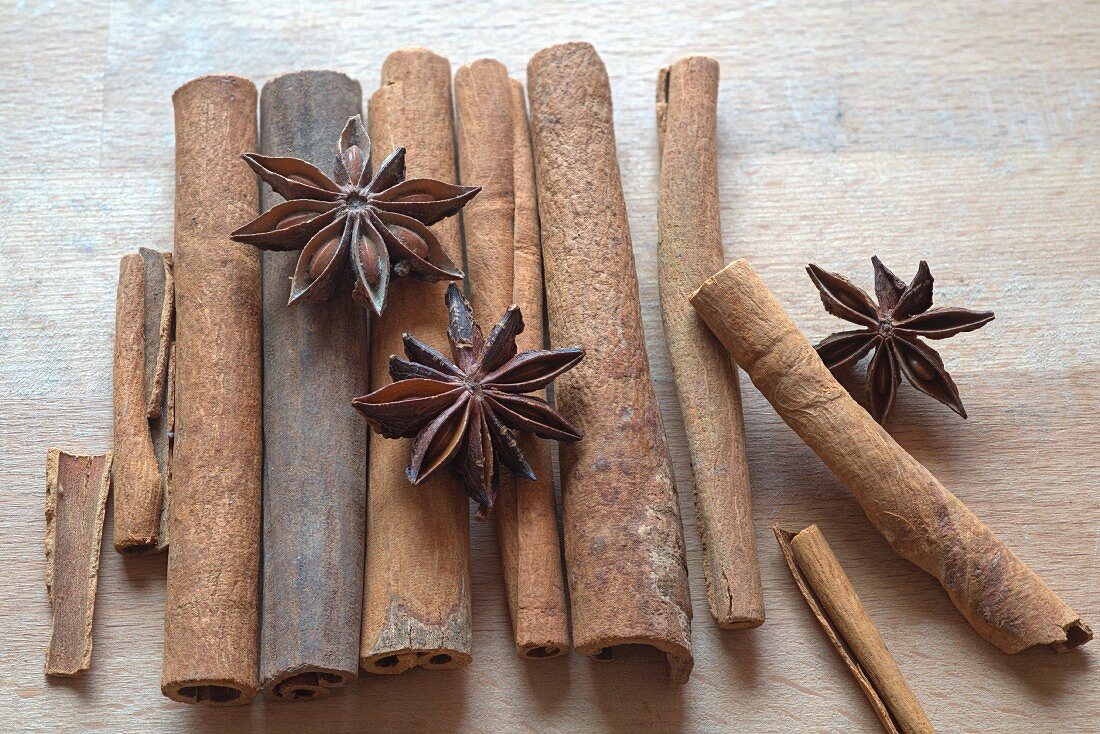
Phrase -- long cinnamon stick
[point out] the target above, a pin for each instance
(689, 249)
(137, 479)
(1005, 602)
(504, 262)
(838, 610)
(624, 547)
(76, 500)
(211, 616)
(315, 446)
(416, 597)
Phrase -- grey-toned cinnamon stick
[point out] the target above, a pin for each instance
(211, 625)
(624, 546)
(315, 445)
(76, 500)
(689, 250)
(834, 603)
(416, 605)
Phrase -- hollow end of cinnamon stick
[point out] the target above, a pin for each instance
(678, 658)
(305, 683)
(393, 662)
(209, 692)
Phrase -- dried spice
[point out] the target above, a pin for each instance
(466, 412)
(891, 328)
(357, 223)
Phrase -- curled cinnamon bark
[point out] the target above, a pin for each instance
(211, 619)
(137, 479)
(416, 596)
(830, 596)
(624, 546)
(504, 261)
(689, 249)
(1005, 602)
(315, 446)
(76, 500)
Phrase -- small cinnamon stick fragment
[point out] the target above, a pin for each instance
(504, 261)
(689, 249)
(211, 621)
(1005, 602)
(838, 610)
(416, 596)
(138, 483)
(76, 500)
(624, 545)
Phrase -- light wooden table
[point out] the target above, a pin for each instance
(968, 136)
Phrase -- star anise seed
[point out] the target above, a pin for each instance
(465, 411)
(891, 328)
(356, 223)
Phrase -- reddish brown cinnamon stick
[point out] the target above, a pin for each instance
(76, 500)
(137, 479)
(689, 250)
(211, 618)
(416, 607)
(315, 446)
(624, 545)
(830, 596)
(504, 262)
(1003, 599)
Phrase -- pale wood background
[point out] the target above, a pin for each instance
(964, 133)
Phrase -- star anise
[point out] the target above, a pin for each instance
(354, 223)
(466, 412)
(891, 328)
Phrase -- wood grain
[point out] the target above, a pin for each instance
(969, 136)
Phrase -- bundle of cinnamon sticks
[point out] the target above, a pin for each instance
(268, 467)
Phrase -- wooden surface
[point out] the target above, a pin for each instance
(964, 133)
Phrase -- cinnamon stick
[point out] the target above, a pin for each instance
(163, 439)
(138, 483)
(416, 598)
(160, 311)
(315, 446)
(76, 500)
(689, 249)
(211, 616)
(838, 610)
(1005, 602)
(624, 548)
(504, 262)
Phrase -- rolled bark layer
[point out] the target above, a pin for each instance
(504, 261)
(315, 445)
(76, 500)
(137, 479)
(416, 597)
(1005, 602)
(211, 617)
(689, 250)
(624, 548)
(160, 320)
(828, 592)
